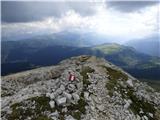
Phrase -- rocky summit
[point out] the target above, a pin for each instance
(100, 91)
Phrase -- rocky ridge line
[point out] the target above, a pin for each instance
(101, 91)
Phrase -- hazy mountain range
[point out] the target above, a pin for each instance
(47, 50)
(150, 46)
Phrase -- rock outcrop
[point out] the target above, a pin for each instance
(101, 91)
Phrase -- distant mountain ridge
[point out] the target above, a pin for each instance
(21, 55)
(65, 38)
(125, 54)
(128, 58)
(150, 46)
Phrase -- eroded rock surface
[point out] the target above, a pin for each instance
(101, 91)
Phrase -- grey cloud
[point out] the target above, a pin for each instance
(130, 6)
(34, 11)
(84, 8)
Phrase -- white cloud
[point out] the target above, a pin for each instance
(114, 24)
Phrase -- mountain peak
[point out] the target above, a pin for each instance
(100, 91)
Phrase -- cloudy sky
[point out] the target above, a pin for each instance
(122, 20)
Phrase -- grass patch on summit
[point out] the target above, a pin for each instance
(128, 93)
(138, 104)
(36, 107)
(25, 109)
(76, 110)
(84, 72)
(114, 76)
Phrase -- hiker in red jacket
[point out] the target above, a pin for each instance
(71, 77)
